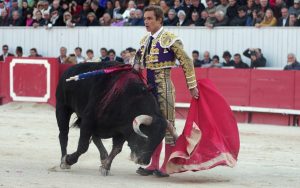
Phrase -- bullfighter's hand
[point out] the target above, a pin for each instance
(194, 92)
(136, 67)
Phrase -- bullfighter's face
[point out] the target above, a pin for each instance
(152, 24)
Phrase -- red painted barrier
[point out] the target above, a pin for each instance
(297, 90)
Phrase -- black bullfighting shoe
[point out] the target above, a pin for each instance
(160, 174)
(144, 172)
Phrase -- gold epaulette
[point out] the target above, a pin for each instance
(143, 40)
(167, 39)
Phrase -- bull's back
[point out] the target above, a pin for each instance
(75, 94)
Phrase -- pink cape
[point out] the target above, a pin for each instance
(210, 136)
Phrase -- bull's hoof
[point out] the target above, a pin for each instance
(103, 162)
(64, 164)
(104, 172)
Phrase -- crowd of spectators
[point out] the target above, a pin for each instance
(255, 55)
(211, 13)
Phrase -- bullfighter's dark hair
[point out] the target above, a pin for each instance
(158, 12)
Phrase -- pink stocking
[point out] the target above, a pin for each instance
(168, 150)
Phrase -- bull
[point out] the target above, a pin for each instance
(117, 105)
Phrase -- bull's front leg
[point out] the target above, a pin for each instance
(83, 145)
(116, 149)
(103, 153)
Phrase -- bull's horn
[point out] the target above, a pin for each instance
(141, 119)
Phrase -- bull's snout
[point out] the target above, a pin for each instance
(141, 160)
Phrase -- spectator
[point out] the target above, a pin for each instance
(109, 8)
(118, 8)
(14, 7)
(56, 19)
(97, 10)
(4, 20)
(56, 6)
(5, 53)
(177, 6)
(71, 59)
(182, 20)
(164, 7)
(39, 7)
(129, 55)
(232, 9)
(269, 20)
(223, 6)
(139, 19)
(16, 19)
(284, 19)
(250, 7)
(172, 18)
(104, 55)
(92, 19)
(2, 6)
(196, 6)
(112, 56)
(195, 56)
(264, 6)
(105, 20)
(238, 63)
(293, 20)
(195, 21)
(19, 51)
(211, 8)
(278, 8)
(62, 55)
(256, 59)
(129, 20)
(256, 18)
(67, 17)
(46, 17)
(29, 20)
(123, 56)
(75, 9)
(292, 63)
(79, 57)
(241, 19)
(38, 21)
(221, 20)
(216, 62)
(187, 7)
(203, 18)
(33, 53)
(84, 12)
(26, 10)
(228, 61)
(295, 9)
(131, 6)
(207, 59)
(118, 21)
(90, 57)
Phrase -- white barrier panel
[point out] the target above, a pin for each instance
(275, 42)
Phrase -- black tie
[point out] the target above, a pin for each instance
(149, 45)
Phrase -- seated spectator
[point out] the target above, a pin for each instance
(206, 58)
(277, 8)
(67, 17)
(2, 6)
(256, 18)
(4, 19)
(211, 8)
(105, 20)
(256, 59)
(92, 20)
(5, 53)
(295, 9)
(16, 20)
(56, 6)
(221, 20)
(283, 21)
(33, 53)
(104, 55)
(38, 21)
(62, 55)
(293, 20)
(195, 21)
(292, 63)
(118, 21)
(177, 6)
(232, 9)
(196, 6)
(203, 17)
(84, 12)
(238, 63)
(56, 19)
(215, 63)
(14, 7)
(29, 20)
(26, 10)
(118, 8)
(19, 51)
(269, 20)
(129, 20)
(46, 17)
(112, 56)
(97, 10)
(75, 9)
(79, 57)
(228, 61)
(172, 18)
(187, 7)
(223, 6)
(182, 20)
(39, 7)
(109, 8)
(123, 56)
(250, 7)
(196, 61)
(139, 19)
(264, 6)
(71, 59)
(241, 19)
(90, 57)
(131, 6)
(129, 55)
(164, 6)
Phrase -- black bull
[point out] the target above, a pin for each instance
(116, 105)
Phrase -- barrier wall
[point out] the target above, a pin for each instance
(35, 80)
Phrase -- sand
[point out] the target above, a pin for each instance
(30, 155)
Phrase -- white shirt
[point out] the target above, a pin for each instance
(155, 35)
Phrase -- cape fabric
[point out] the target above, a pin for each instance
(210, 136)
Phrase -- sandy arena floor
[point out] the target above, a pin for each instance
(30, 155)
